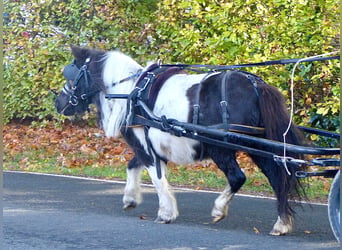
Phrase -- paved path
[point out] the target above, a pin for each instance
(53, 212)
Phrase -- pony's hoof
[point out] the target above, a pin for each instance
(281, 227)
(218, 218)
(219, 214)
(276, 233)
(130, 206)
(161, 221)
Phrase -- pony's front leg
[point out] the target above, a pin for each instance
(168, 210)
(132, 195)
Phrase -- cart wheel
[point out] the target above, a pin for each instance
(334, 206)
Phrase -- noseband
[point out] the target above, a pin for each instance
(73, 75)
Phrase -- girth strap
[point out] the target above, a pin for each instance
(151, 151)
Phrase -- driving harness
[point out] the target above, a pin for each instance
(146, 90)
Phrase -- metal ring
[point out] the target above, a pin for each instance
(73, 100)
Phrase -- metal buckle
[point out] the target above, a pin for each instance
(224, 104)
(73, 100)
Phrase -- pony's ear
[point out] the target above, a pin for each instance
(79, 53)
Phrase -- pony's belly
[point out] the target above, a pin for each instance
(179, 150)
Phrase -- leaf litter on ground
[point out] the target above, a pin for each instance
(70, 147)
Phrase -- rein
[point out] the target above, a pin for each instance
(266, 63)
(131, 77)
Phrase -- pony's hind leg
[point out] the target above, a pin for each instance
(282, 183)
(236, 178)
(168, 210)
(132, 194)
(220, 209)
(282, 226)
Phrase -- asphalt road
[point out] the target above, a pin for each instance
(55, 212)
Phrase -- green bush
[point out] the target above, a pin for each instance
(38, 34)
(36, 46)
(35, 55)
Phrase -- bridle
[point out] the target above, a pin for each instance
(73, 75)
(83, 92)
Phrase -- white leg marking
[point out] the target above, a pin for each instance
(220, 209)
(168, 210)
(132, 195)
(282, 227)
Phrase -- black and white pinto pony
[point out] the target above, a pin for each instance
(250, 102)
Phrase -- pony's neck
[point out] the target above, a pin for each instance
(117, 66)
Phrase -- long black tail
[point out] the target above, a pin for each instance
(275, 117)
(275, 120)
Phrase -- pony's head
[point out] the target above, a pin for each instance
(91, 75)
(81, 87)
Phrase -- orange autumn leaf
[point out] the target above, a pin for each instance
(256, 231)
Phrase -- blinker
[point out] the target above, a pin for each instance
(70, 71)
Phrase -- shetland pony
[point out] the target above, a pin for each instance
(233, 97)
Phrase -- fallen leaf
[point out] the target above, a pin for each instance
(143, 217)
(256, 231)
(118, 150)
(85, 149)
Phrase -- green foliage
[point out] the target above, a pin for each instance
(34, 57)
(38, 34)
(36, 46)
(233, 32)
